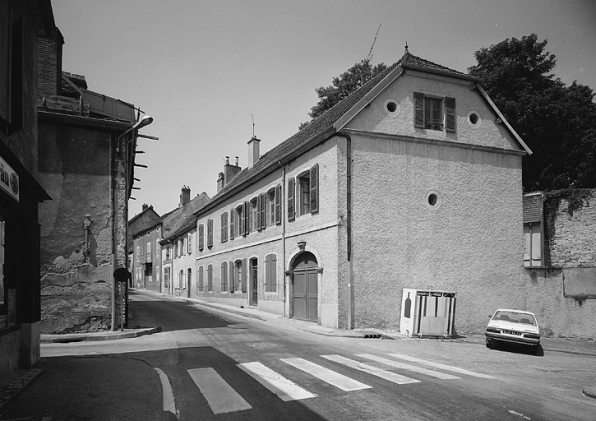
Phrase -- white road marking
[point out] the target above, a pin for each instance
(404, 366)
(282, 387)
(329, 376)
(441, 366)
(219, 394)
(387, 375)
(169, 404)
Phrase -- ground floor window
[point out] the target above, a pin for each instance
(224, 276)
(271, 273)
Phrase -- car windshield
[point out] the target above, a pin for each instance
(515, 317)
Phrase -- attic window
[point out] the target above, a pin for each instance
(433, 112)
(474, 119)
(432, 200)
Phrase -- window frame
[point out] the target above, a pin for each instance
(447, 120)
(270, 267)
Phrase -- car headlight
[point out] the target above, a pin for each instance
(493, 330)
(532, 335)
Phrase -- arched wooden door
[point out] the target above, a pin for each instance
(305, 295)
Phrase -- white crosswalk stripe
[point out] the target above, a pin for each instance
(220, 396)
(276, 383)
(329, 376)
(441, 366)
(387, 375)
(404, 366)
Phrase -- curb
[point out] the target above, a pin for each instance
(108, 336)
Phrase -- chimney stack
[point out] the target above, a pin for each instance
(230, 171)
(184, 196)
(253, 151)
(220, 181)
(145, 206)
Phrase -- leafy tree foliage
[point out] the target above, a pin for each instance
(343, 85)
(556, 121)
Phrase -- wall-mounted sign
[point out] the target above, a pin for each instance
(9, 180)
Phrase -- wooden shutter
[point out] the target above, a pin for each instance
(231, 276)
(259, 213)
(314, 189)
(450, 117)
(224, 227)
(418, 109)
(291, 194)
(263, 216)
(245, 213)
(278, 200)
(244, 272)
(201, 237)
(210, 233)
(232, 224)
(249, 227)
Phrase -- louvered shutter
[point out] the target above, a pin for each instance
(232, 223)
(245, 213)
(249, 227)
(201, 237)
(450, 120)
(291, 193)
(314, 189)
(259, 213)
(263, 219)
(244, 272)
(224, 227)
(418, 109)
(240, 217)
(210, 233)
(278, 204)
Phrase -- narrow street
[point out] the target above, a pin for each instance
(214, 365)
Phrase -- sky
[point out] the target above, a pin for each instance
(205, 69)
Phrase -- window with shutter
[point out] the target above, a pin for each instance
(201, 237)
(209, 277)
(434, 113)
(314, 189)
(278, 199)
(270, 273)
(244, 274)
(210, 233)
(419, 110)
(291, 194)
(263, 216)
(224, 277)
(240, 220)
(201, 286)
(271, 207)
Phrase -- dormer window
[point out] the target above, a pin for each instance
(434, 112)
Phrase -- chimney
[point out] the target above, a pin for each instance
(253, 151)
(49, 65)
(185, 196)
(230, 171)
(145, 206)
(220, 181)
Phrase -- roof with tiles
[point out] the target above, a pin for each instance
(322, 128)
(533, 207)
(186, 220)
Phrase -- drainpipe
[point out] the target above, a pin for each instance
(349, 229)
(113, 200)
(283, 232)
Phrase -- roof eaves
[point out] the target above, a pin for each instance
(504, 120)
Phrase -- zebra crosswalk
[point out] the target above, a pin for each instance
(223, 398)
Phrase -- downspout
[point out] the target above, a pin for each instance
(283, 233)
(349, 229)
(113, 200)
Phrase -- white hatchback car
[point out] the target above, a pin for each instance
(514, 326)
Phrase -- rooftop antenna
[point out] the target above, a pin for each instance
(369, 57)
(406, 48)
(253, 125)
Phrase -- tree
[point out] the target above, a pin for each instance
(558, 122)
(343, 85)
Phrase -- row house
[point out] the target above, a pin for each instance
(413, 181)
(151, 263)
(137, 223)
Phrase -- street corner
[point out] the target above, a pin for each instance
(98, 381)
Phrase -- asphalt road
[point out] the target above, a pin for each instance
(206, 366)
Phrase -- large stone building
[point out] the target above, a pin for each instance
(87, 157)
(413, 181)
(22, 22)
